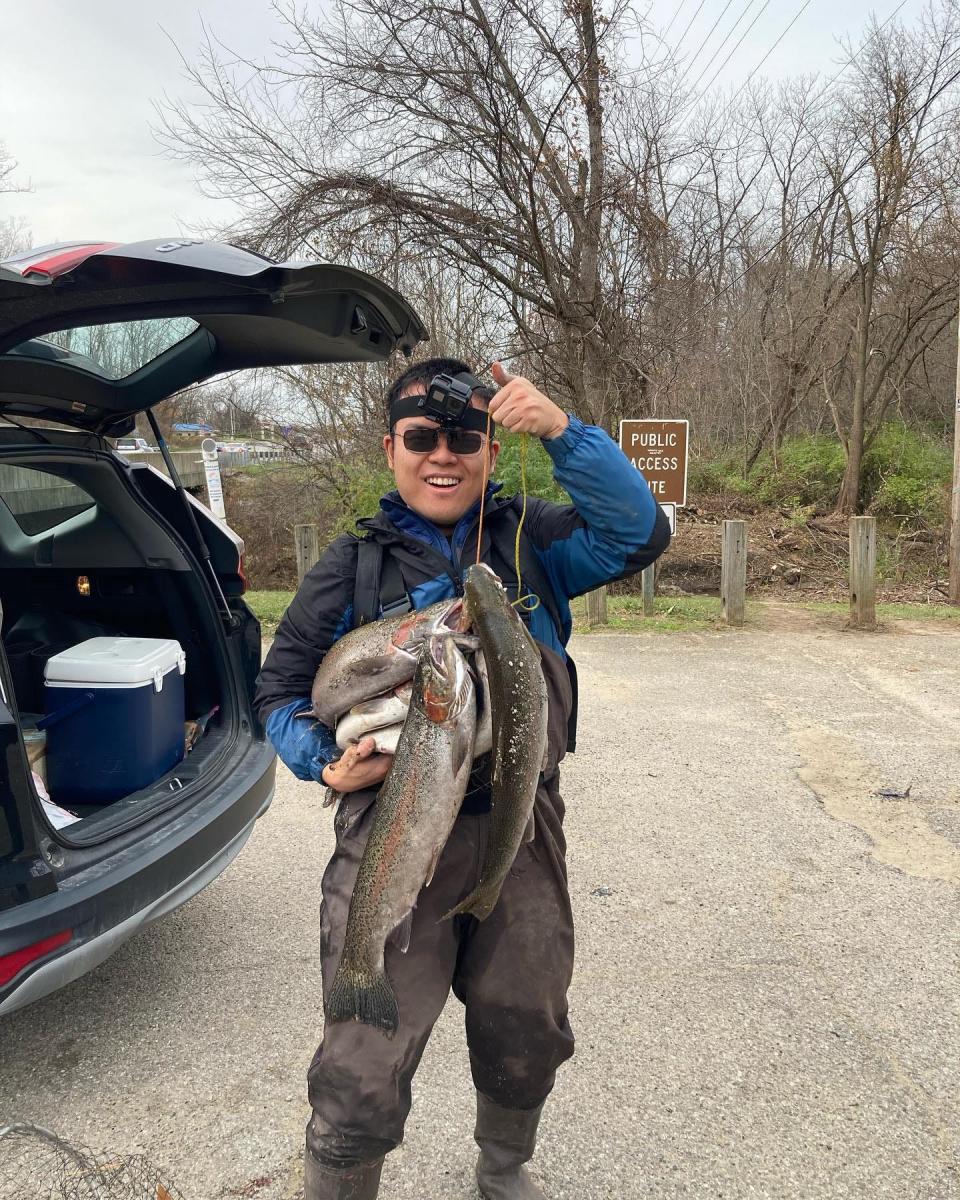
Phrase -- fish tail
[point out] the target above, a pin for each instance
(359, 996)
(480, 904)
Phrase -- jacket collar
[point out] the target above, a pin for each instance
(396, 515)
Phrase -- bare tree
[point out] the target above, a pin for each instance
(478, 132)
(14, 232)
(896, 122)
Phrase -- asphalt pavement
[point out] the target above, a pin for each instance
(767, 989)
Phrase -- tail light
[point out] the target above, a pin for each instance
(243, 577)
(12, 964)
(62, 260)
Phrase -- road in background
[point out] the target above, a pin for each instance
(766, 995)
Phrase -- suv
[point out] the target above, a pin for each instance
(135, 445)
(95, 546)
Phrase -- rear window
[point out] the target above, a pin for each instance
(110, 351)
(39, 501)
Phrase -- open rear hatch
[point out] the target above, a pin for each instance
(90, 336)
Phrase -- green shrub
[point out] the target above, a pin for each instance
(360, 496)
(809, 472)
(718, 474)
(539, 469)
(905, 473)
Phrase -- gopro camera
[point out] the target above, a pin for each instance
(447, 399)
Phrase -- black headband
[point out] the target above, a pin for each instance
(411, 406)
(446, 401)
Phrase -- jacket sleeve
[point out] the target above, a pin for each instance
(318, 615)
(613, 529)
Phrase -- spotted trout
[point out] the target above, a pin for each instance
(375, 658)
(517, 695)
(415, 811)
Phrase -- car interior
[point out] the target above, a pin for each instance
(81, 556)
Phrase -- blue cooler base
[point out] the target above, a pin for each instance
(121, 740)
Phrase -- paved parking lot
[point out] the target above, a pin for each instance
(768, 984)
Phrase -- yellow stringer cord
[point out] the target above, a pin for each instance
(524, 601)
(527, 602)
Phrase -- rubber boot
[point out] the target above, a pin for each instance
(361, 1182)
(506, 1137)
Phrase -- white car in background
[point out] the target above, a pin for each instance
(136, 445)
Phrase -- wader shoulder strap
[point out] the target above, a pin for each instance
(378, 589)
(366, 585)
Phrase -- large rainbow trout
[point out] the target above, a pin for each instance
(518, 702)
(415, 811)
(377, 657)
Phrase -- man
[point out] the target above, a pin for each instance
(513, 970)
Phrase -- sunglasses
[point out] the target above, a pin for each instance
(459, 441)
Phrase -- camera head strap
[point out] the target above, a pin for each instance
(446, 401)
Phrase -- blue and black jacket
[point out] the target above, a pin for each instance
(613, 529)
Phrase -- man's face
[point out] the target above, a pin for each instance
(439, 485)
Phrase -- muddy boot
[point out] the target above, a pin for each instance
(361, 1182)
(506, 1137)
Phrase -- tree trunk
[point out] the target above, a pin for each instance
(849, 496)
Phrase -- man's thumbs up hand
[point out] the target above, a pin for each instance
(523, 408)
(501, 376)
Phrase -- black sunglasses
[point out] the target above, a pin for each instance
(423, 440)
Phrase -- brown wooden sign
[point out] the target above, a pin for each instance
(658, 449)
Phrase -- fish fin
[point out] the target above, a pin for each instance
(368, 999)
(469, 643)
(383, 662)
(531, 639)
(433, 866)
(480, 904)
(401, 933)
(461, 748)
(332, 796)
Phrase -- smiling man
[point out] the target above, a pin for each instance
(511, 971)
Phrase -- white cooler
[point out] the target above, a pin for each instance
(114, 715)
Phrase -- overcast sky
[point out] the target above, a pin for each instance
(80, 77)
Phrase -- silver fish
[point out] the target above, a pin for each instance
(377, 657)
(374, 716)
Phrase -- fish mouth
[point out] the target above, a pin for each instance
(455, 618)
(445, 691)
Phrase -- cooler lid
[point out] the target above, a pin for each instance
(127, 661)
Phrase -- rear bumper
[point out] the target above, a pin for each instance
(106, 904)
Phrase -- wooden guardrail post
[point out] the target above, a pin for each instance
(863, 572)
(648, 579)
(306, 541)
(597, 607)
(733, 572)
